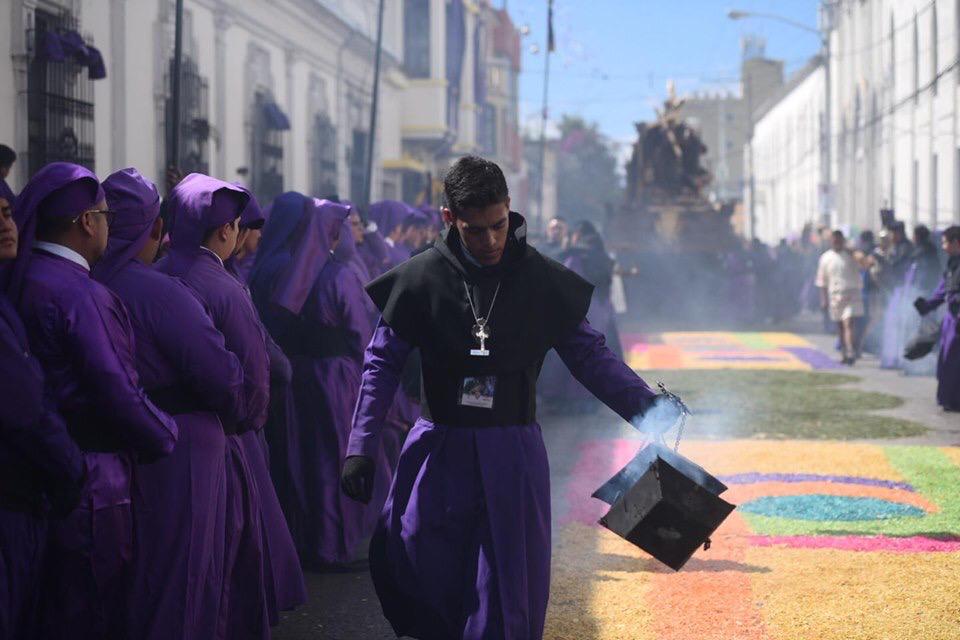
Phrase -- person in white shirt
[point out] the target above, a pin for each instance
(841, 292)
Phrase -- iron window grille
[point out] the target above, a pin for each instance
(60, 120)
(323, 156)
(266, 153)
(358, 166)
(194, 119)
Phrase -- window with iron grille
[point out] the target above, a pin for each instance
(323, 156)
(487, 129)
(194, 120)
(358, 166)
(266, 154)
(59, 101)
(416, 38)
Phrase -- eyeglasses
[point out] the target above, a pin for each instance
(109, 215)
(6, 210)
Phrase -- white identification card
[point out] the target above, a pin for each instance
(478, 392)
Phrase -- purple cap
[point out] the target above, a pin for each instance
(200, 203)
(60, 189)
(135, 202)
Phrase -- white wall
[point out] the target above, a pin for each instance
(874, 163)
(787, 161)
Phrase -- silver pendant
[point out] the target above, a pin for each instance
(481, 334)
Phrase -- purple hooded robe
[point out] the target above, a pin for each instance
(179, 502)
(279, 492)
(323, 327)
(201, 203)
(39, 465)
(948, 362)
(81, 333)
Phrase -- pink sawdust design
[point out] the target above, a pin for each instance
(910, 544)
(598, 461)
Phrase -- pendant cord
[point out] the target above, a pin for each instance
(473, 309)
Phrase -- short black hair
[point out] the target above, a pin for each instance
(7, 156)
(837, 233)
(474, 183)
(952, 234)
(921, 233)
(52, 228)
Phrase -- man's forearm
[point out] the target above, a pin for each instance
(605, 375)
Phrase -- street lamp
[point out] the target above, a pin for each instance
(827, 144)
(735, 14)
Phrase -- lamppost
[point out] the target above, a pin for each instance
(826, 145)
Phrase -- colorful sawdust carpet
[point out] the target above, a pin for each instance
(830, 541)
(724, 350)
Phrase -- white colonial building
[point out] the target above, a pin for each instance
(786, 156)
(276, 94)
(895, 126)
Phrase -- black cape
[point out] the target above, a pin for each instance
(425, 302)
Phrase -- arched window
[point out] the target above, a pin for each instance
(323, 157)
(59, 97)
(267, 152)
(194, 123)
(893, 56)
(934, 47)
(916, 59)
(416, 38)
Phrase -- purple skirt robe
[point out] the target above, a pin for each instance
(179, 502)
(325, 389)
(98, 392)
(37, 456)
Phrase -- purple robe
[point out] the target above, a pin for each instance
(81, 334)
(39, 463)
(179, 502)
(281, 494)
(405, 410)
(201, 203)
(462, 549)
(948, 362)
(323, 325)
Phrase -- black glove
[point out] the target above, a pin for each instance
(662, 414)
(922, 306)
(356, 480)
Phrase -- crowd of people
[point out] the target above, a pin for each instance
(180, 376)
(202, 401)
(897, 298)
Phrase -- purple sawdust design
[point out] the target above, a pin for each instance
(739, 358)
(813, 357)
(753, 478)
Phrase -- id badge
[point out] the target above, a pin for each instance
(478, 391)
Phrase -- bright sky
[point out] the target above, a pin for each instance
(614, 57)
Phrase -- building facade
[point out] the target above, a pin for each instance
(275, 95)
(895, 125)
(786, 156)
